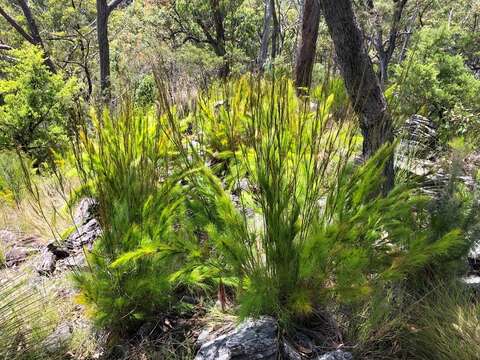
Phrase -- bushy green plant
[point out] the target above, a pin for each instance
(34, 113)
(325, 233)
(434, 79)
(133, 270)
(146, 91)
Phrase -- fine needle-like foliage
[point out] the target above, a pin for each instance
(324, 232)
(125, 167)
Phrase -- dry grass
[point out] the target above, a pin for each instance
(42, 209)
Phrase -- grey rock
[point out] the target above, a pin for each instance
(75, 261)
(252, 339)
(58, 339)
(46, 263)
(472, 282)
(7, 237)
(290, 353)
(240, 186)
(336, 355)
(18, 254)
(85, 234)
(85, 211)
(58, 251)
(474, 257)
(418, 137)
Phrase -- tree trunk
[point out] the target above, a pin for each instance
(263, 52)
(360, 79)
(104, 49)
(308, 44)
(385, 49)
(220, 48)
(275, 30)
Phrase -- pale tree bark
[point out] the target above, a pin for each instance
(308, 44)
(360, 79)
(33, 34)
(266, 33)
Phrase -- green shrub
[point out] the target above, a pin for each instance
(34, 115)
(325, 234)
(133, 269)
(434, 80)
(146, 91)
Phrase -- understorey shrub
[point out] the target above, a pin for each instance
(320, 230)
(126, 165)
(34, 114)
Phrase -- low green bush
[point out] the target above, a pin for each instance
(34, 113)
(310, 228)
(133, 269)
(325, 234)
(435, 81)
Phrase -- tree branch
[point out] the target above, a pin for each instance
(16, 26)
(112, 5)
(32, 25)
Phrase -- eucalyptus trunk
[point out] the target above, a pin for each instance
(361, 82)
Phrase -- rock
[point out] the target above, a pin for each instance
(474, 258)
(86, 211)
(31, 241)
(85, 234)
(46, 263)
(73, 262)
(418, 138)
(252, 339)
(60, 253)
(472, 282)
(336, 355)
(240, 186)
(7, 238)
(290, 353)
(58, 339)
(18, 254)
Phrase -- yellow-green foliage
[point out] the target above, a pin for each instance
(11, 178)
(34, 113)
(325, 233)
(127, 165)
